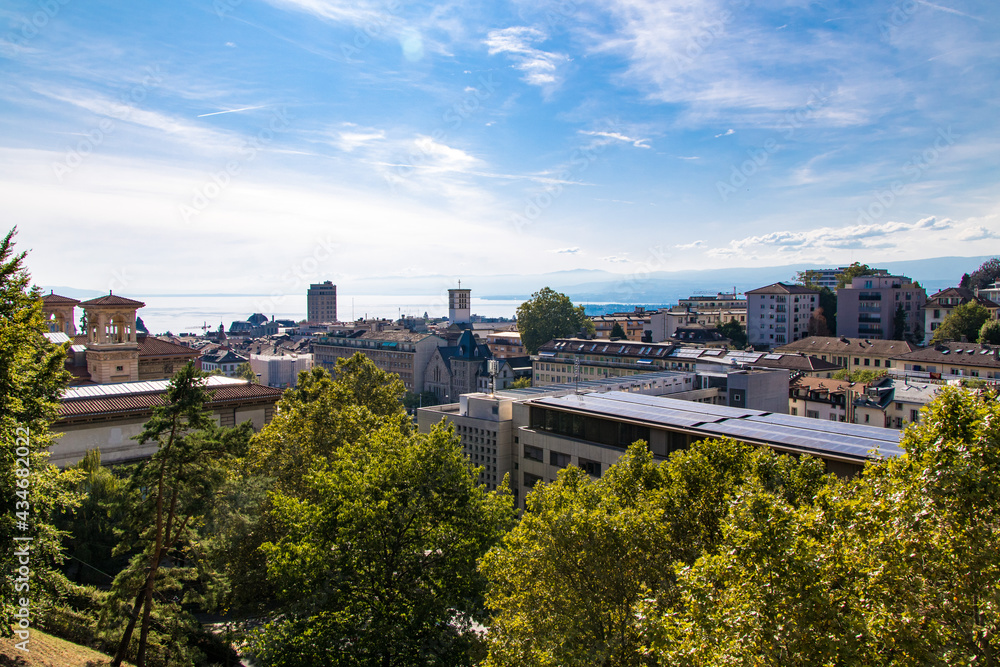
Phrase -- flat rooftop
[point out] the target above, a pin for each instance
(800, 435)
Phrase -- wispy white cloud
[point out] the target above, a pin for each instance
(614, 259)
(950, 10)
(691, 246)
(830, 238)
(567, 251)
(726, 133)
(351, 139)
(540, 67)
(976, 233)
(638, 143)
(346, 11)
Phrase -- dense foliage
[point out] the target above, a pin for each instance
(963, 323)
(33, 491)
(549, 314)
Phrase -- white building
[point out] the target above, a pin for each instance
(779, 314)
(276, 370)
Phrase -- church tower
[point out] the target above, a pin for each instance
(112, 347)
(460, 305)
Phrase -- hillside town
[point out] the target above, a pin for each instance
(769, 351)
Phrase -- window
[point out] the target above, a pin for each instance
(868, 362)
(914, 415)
(878, 362)
(812, 414)
(857, 361)
(737, 396)
(899, 406)
(558, 459)
(534, 453)
(119, 368)
(530, 480)
(592, 468)
(793, 411)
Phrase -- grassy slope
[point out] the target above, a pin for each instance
(48, 651)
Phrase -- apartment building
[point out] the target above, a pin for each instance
(401, 352)
(591, 428)
(779, 313)
(867, 307)
(321, 303)
(893, 402)
(952, 361)
(851, 353)
(505, 344)
(940, 305)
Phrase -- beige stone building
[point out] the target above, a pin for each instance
(851, 353)
(107, 417)
(401, 352)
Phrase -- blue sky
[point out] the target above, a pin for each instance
(250, 145)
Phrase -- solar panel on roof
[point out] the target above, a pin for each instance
(712, 353)
(772, 356)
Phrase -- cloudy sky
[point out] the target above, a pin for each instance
(246, 145)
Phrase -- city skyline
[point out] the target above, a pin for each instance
(253, 146)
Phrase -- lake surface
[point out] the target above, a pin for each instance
(190, 313)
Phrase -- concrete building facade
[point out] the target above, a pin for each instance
(779, 313)
(400, 352)
(867, 307)
(321, 303)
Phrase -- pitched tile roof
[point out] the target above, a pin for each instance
(113, 300)
(154, 347)
(783, 288)
(77, 404)
(52, 299)
(833, 345)
(956, 354)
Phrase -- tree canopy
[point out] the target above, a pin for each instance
(617, 331)
(549, 314)
(31, 380)
(735, 332)
(855, 270)
(965, 320)
(989, 333)
(378, 565)
(987, 274)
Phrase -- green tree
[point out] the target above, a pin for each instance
(827, 306)
(617, 331)
(521, 383)
(549, 314)
(378, 567)
(899, 323)
(245, 371)
(987, 274)
(989, 333)
(313, 420)
(863, 375)
(964, 321)
(320, 414)
(31, 381)
(926, 533)
(177, 486)
(855, 270)
(413, 400)
(735, 332)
